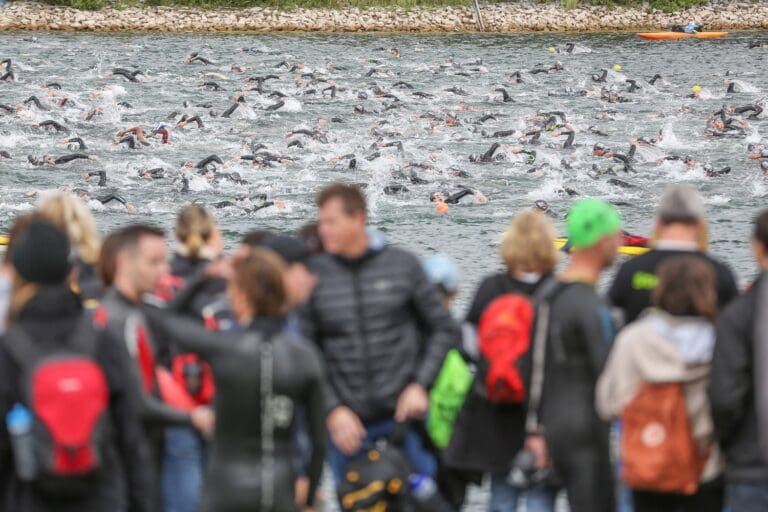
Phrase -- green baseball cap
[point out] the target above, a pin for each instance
(589, 220)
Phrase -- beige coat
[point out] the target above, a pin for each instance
(660, 348)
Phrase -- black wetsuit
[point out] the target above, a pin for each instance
(69, 158)
(36, 101)
(127, 74)
(205, 162)
(239, 468)
(193, 119)
(601, 77)
(579, 340)
(230, 110)
(56, 126)
(102, 177)
(112, 197)
(80, 143)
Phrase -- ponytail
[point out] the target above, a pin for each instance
(194, 228)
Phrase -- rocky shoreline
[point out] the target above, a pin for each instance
(508, 17)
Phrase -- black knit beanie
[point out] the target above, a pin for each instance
(41, 254)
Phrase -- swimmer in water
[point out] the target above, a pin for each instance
(5, 154)
(152, 174)
(764, 166)
(125, 73)
(136, 131)
(85, 196)
(101, 174)
(36, 102)
(160, 129)
(238, 103)
(687, 160)
(710, 172)
(50, 125)
(184, 121)
(496, 153)
(456, 196)
(8, 74)
(603, 151)
(49, 160)
(74, 143)
(195, 57)
(602, 77)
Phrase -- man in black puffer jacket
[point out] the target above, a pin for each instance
(380, 325)
(737, 388)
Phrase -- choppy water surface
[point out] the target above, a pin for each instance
(469, 232)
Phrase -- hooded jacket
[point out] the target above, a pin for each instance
(661, 348)
(49, 319)
(736, 368)
(379, 324)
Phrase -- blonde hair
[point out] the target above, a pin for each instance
(73, 217)
(194, 227)
(528, 244)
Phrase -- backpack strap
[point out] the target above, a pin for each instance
(84, 338)
(545, 293)
(21, 347)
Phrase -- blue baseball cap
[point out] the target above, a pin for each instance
(443, 271)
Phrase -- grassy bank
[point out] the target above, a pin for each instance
(663, 5)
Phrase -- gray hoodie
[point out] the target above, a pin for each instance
(661, 348)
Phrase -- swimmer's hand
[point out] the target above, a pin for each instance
(480, 197)
(279, 204)
(30, 193)
(130, 207)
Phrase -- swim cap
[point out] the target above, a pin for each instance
(764, 165)
(764, 153)
(708, 168)
(599, 146)
(158, 127)
(590, 220)
(551, 49)
(687, 158)
(617, 67)
(696, 88)
(541, 205)
(442, 271)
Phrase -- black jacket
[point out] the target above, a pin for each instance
(380, 326)
(50, 319)
(732, 390)
(488, 435)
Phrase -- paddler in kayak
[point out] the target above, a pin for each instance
(691, 28)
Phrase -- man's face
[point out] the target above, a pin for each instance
(299, 282)
(147, 264)
(338, 229)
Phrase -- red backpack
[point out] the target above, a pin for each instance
(68, 396)
(505, 332)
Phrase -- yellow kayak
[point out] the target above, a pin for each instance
(626, 250)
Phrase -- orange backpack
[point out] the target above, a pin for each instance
(659, 452)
